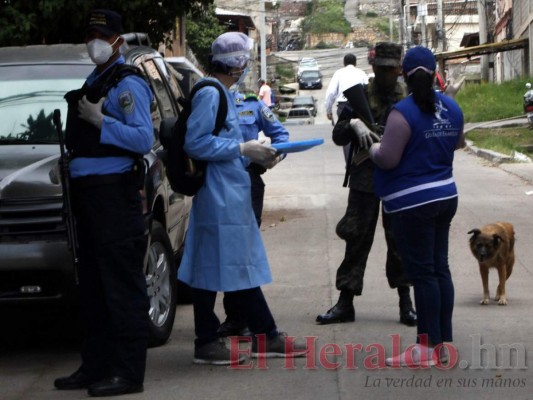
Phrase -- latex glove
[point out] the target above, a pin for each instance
(91, 112)
(273, 163)
(258, 152)
(365, 136)
(264, 140)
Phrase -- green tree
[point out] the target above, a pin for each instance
(26, 22)
(202, 29)
(325, 16)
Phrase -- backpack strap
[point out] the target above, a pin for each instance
(222, 112)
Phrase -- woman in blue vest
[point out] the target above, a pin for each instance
(414, 180)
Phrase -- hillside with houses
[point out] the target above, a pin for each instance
(499, 41)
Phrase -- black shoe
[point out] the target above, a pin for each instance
(78, 380)
(114, 386)
(344, 313)
(408, 316)
(233, 328)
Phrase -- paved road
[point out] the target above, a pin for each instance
(304, 201)
(329, 60)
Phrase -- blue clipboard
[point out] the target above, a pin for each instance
(294, 147)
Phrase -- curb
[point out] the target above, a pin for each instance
(490, 155)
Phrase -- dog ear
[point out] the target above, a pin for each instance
(475, 232)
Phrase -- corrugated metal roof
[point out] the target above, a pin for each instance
(221, 11)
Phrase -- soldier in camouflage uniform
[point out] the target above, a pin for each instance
(358, 225)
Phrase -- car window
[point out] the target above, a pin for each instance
(29, 96)
(303, 101)
(308, 63)
(302, 113)
(311, 74)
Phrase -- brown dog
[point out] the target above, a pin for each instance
(493, 247)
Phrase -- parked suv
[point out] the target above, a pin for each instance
(35, 264)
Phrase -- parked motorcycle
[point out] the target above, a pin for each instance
(528, 105)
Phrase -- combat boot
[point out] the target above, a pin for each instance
(407, 313)
(343, 311)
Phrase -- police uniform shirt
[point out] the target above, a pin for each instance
(127, 124)
(256, 116)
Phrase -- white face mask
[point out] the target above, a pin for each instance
(100, 51)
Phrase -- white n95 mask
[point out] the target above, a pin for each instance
(100, 51)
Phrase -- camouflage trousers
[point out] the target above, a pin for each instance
(357, 228)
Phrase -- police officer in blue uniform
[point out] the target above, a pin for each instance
(254, 117)
(109, 128)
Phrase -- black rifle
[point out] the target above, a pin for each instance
(68, 216)
(357, 98)
(358, 102)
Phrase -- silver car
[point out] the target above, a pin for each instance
(299, 116)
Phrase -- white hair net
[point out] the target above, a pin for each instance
(232, 49)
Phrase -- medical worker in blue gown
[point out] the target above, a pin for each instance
(224, 251)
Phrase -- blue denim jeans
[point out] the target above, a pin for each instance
(421, 235)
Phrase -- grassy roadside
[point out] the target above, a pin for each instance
(503, 140)
(489, 102)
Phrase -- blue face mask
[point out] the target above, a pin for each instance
(236, 85)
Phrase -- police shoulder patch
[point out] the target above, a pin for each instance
(126, 102)
(251, 96)
(268, 114)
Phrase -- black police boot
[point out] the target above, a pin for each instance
(407, 312)
(343, 311)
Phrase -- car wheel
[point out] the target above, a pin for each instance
(161, 285)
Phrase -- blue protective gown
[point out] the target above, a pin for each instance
(223, 249)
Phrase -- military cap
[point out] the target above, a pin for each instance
(105, 21)
(387, 54)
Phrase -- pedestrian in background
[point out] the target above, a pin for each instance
(265, 93)
(254, 117)
(109, 127)
(341, 80)
(224, 250)
(358, 226)
(414, 178)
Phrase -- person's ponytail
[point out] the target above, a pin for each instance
(420, 84)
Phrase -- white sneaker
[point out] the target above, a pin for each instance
(416, 355)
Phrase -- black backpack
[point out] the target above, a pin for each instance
(185, 174)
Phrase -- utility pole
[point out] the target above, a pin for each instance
(439, 27)
(422, 11)
(262, 36)
(390, 21)
(482, 16)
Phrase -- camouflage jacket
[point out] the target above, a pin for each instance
(361, 175)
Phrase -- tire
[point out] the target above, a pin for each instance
(161, 285)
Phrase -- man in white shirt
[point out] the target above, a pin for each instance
(341, 80)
